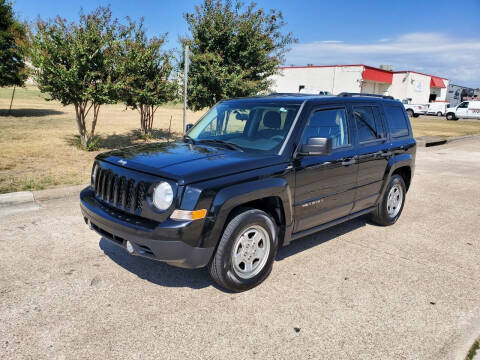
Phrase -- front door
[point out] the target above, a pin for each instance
(462, 110)
(325, 185)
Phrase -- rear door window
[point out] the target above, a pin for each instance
(397, 121)
(369, 123)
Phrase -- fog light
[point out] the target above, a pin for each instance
(130, 248)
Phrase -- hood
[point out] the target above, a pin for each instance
(187, 163)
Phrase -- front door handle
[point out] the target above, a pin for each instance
(349, 162)
(386, 154)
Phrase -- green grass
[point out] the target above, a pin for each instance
(473, 350)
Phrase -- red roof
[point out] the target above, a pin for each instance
(437, 82)
(378, 75)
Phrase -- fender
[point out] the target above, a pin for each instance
(395, 163)
(235, 195)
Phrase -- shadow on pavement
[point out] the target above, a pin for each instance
(29, 112)
(321, 237)
(160, 273)
(157, 272)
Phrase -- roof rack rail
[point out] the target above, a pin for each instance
(349, 94)
(290, 94)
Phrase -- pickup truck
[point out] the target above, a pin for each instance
(252, 175)
(415, 110)
(465, 110)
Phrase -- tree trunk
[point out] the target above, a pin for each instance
(80, 118)
(146, 118)
(96, 109)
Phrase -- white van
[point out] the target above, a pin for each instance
(466, 110)
(438, 108)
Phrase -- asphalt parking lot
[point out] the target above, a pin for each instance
(355, 291)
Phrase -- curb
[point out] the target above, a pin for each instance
(427, 141)
(32, 197)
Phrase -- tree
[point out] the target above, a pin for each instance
(12, 54)
(234, 49)
(76, 64)
(145, 72)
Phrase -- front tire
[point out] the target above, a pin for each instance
(410, 112)
(246, 251)
(451, 116)
(391, 206)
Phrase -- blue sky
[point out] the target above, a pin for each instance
(437, 37)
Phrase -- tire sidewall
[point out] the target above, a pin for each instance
(249, 218)
(410, 113)
(396, 179)
(450, 116)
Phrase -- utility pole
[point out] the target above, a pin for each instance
(11, 101)
(185, 83)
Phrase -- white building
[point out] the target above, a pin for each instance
(411, 86)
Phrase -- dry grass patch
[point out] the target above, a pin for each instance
(439, 126)
(36, 141)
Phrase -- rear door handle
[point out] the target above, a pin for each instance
(386, 154)
(349, 162)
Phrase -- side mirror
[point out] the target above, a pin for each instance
(317, 146)
(188, 127)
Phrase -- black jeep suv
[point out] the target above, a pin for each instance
(251, 175)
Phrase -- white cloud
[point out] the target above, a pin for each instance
(433, 53)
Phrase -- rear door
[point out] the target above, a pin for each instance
(325, 185)
(372, 147)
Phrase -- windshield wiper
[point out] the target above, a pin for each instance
(222, 142)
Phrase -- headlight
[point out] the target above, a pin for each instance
(162, 196)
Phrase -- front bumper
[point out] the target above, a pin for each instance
(159, 241)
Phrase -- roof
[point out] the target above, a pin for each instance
(419, 73)
(296, 98)
(355, 65)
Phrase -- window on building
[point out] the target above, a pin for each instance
(369, 127)
(397, 121)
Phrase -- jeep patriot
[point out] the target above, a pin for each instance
(251, 175)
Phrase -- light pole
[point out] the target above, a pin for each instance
(185, 83)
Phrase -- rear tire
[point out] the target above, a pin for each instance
(410, 112)
(391, 206)
(246, 251)
(439, 113)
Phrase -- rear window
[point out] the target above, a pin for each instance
(396, 121)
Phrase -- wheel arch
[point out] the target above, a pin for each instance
(271, 195)
(401, 164)
(406, 173)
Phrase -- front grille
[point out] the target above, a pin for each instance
(119, 191)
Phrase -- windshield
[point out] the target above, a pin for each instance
(250, 125)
